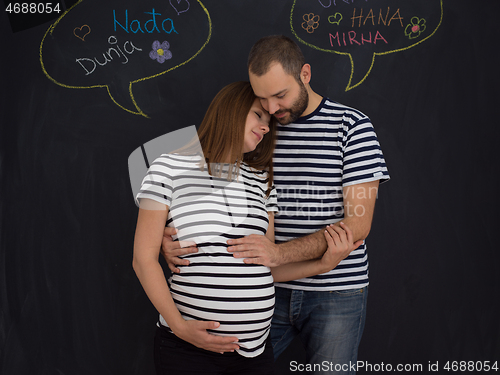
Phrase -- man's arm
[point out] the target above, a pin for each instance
(339, 240)
(359, 205)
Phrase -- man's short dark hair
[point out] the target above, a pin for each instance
(276, 49)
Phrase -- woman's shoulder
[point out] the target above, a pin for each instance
(174, 164)
(254, 172)
(177, 159)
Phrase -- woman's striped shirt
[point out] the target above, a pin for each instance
(315, 159)
(208, 211)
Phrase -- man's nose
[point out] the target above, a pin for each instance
(273, 107)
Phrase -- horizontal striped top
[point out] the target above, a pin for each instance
(315, 159)
(208, 211)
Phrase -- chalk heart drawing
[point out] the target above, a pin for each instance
(116, 57)
(335, 19)
(180, 6)
(366, 32)
(81, 32)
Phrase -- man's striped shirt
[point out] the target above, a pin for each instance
(317, 157)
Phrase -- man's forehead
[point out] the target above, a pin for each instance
(275, 71)
(272, 83)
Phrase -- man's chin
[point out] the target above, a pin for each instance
(284, 120)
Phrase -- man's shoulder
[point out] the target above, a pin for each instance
(334, 107)
(331, 115)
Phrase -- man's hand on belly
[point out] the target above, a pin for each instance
(256, 249)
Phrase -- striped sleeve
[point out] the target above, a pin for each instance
(157, 184)
(362, 156)
(272, 201)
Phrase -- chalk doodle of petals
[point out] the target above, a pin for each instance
(312, 22)
(160, 51)
(415, 28)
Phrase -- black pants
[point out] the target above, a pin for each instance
(174, 356)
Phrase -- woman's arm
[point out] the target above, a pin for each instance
(339, 241)
(148, 237)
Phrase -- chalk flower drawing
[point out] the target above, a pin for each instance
(160, 51)
(312, 22)
(415, 28)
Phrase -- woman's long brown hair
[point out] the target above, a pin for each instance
(221, 133)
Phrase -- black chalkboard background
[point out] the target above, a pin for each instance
(70, 302)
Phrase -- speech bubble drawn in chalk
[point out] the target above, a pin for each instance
(108, 44)
(187, 184)
(362, 30)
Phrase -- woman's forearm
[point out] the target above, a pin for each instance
(152, 278)
(298, 270)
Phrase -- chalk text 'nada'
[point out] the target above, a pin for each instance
(151, 25)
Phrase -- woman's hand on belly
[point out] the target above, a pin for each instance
(195, 332)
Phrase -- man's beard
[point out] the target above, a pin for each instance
(297, 109)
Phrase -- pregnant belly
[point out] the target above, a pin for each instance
(240, 298)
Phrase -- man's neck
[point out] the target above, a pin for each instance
(314, 102)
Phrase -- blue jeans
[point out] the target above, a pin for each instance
(330, 325)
